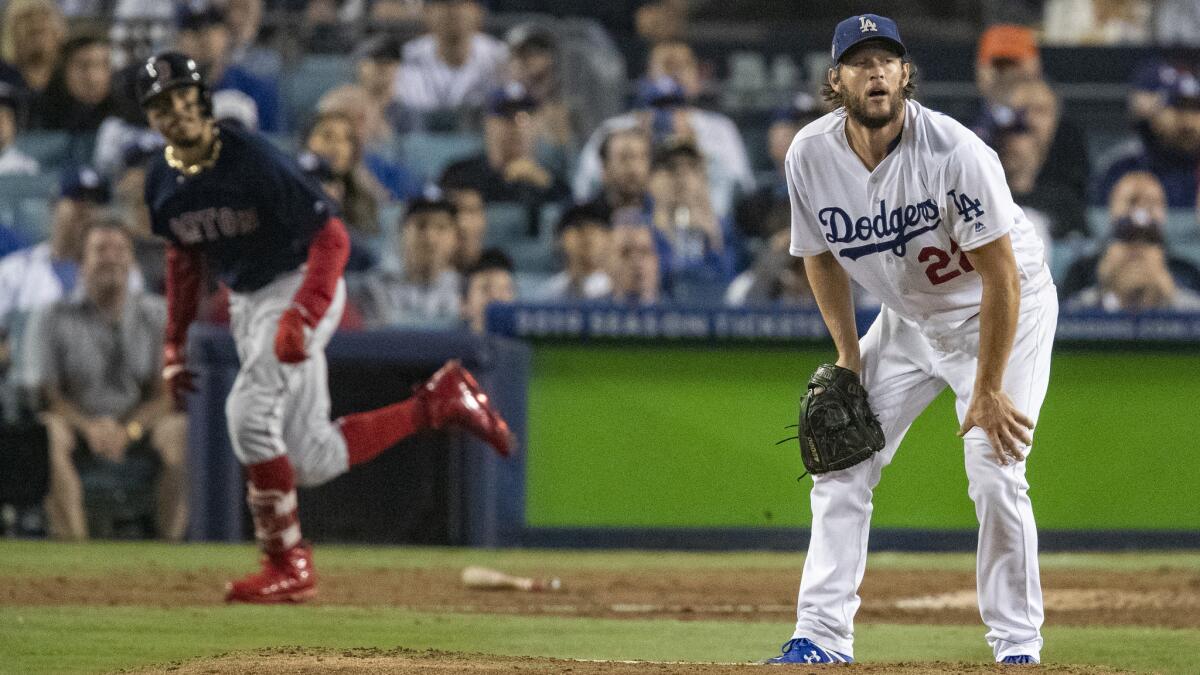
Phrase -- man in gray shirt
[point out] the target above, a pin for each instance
(98, 358)
(426, 294)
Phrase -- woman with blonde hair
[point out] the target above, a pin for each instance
(32, 35)
(332, 136)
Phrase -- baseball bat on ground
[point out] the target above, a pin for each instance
(489, 579)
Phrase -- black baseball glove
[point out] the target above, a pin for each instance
(837, 428)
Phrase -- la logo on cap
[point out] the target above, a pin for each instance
(866, 25)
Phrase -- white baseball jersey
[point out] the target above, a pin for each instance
(900, 230)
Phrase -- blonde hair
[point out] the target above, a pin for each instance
(18, 8)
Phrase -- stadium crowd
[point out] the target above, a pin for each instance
(474, 167)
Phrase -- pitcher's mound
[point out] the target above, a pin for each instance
(411, 662)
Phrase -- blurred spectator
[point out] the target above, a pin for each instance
(364, 253)
(31, 37)
(767, 211)
(534, 62)
(144, 10)
(1177, 22)
(244, 18)
(636, 269)
(1151, 86)
(79, 96)
(332, 138)
(376, 63)
(777, 277)
(426, 291)
(664, 112)
(1097, 22)
(454, 65)
(509, 170)
(374, 137)
(390, 11)
(625, 177)
(584, 237)
(675, 59)
(327, 26)
(37, 276)
(696, 245)
(472, 222)
(1132, 273)
(1169, 146)
(205, 36)
(1007, 53)
(1045, 157)
(129, 193)
(317, 167)
(662, 20)
(489, 280)
(1137, 198)
(12, 160)
(100, 359)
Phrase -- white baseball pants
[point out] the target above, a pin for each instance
(903, 371)
(277, 408)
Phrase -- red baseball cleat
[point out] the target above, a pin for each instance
(285, 577)
(452, 396)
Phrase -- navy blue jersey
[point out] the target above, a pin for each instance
(253, 213)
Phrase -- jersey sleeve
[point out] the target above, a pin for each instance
(806, 231)
(976, 201)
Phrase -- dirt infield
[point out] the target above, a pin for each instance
(1165, 597)
(409, 662)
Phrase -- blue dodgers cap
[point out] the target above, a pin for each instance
(1184, 92)
(660, 92)
(82, 183)
(861, 28)
(511, 99)
(315, 166)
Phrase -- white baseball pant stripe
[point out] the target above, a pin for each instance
(277, 408)
(903, 371)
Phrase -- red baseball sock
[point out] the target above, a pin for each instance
(273, 474)
(271, 494)
(369, 433)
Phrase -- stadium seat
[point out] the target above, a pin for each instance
(1181, 226)
(529, 284)
(533, 256)
(25, 203)
(429, 154)
(303, 87)
(507, 223)
(1188, 249)
(49, 148)
(1065, 252)
(389, 239)
(550, 215)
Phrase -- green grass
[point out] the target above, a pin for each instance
(57, 639)
(89, 639)
(38, 558)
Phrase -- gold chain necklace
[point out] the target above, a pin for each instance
(193, 169)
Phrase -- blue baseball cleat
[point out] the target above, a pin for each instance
(1019, 660)
(803, 650)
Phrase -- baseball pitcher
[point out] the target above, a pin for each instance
(914, 207)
